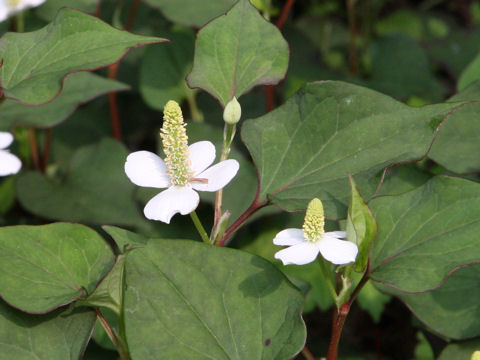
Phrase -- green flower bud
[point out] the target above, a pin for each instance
(232, 112)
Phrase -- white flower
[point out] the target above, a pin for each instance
(9, 163)
(305, 244)
(10, 7)
(185, 169)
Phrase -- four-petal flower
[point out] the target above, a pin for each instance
(305, 244)
(9, 163)
(147, 169)
(301, 251)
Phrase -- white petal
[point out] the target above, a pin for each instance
(289, 237)
(5, 137)
(174, 200)
(299, 254)
(217, 176)
(337, 251)
(9, 163)
(202, 155)
(337, 234)
(32, 3)
(145, 168)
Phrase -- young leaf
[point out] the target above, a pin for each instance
(236, 305)
(78, 89)
(361, 226)
(44, 267)
(470, 74)
(62, 334)
(236, 52)
(425, 234)
(95, 189)
(109, 293)
(306, 147)
(192, 12)
(35, 64)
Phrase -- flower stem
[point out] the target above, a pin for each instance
(197, 115)
(228, 135)
(199, 226)
(32, 140)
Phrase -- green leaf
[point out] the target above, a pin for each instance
(79, 88)
(44, 267)
(95, 189)
(425, 234)
(109, 293)
(470, 74)
(60, 335)
(372, 301)
(236, 305)
(460, 351)
(306, 147)
(460, 132)
(35, 64)
(192, 12)
(452, 309)
(164, 68)
(49, 9)
(400, 68)
(361, 226)
(125, 239)
(471, 92)
(236, 52)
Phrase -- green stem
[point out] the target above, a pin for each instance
(228, 135)
(197, 115)
(199, 226)
(20, 22)
(328, 279)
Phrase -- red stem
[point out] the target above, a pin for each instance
(112, 74)
(307, 354)
(254, 207)
(284, 15)
(34, 148)
(112, 100)
(270, 93)
(340, 315)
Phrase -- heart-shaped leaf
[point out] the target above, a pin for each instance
(164, 68)
(36, 63)
(236, 305)
(95, 189)
(306, 148)
(461, 132)
(236, 52)
(44, 267)
(60, 335)
(452, 309)
(192, 12)
(425, 234)
(78, 89)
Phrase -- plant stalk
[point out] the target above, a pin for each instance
(124, 355)
(199, 226)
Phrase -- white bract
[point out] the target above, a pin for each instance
(9, 163)
(10, 7)
(184, 170)
(305, 244)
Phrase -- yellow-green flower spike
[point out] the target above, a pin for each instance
(313, 226)
(175, 144)
(12, 3)
(475, 355)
